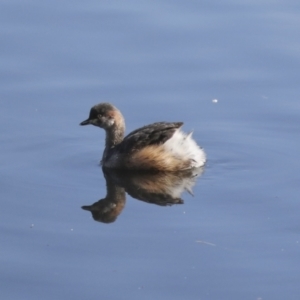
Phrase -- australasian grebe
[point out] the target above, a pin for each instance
(159, 146)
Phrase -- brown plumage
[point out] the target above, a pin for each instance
(159, 146)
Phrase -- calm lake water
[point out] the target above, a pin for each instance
(230, 71)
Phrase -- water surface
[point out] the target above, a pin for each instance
(238, 237)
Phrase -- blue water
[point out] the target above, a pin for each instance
(238, 237)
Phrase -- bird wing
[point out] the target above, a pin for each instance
(153, 134)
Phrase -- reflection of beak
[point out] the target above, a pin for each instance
(86, 122)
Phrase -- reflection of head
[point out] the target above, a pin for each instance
(104, 211)
(107, 210)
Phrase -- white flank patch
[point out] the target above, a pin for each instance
(184, 147)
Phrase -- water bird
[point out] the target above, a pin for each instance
(160, 146)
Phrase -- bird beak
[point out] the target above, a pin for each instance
(87, 207)
(86, 122)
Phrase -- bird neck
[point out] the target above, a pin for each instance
(114, 136)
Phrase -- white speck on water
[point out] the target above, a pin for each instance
(214, 100)
(32, 225)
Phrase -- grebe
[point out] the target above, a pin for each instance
(159, 146)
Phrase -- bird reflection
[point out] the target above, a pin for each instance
(158, 188)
